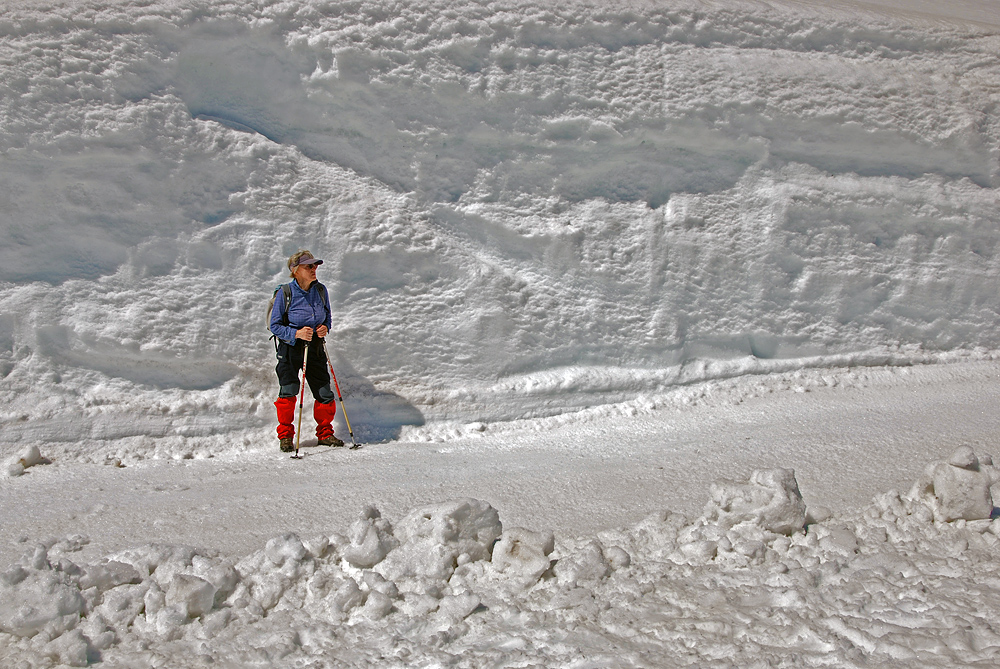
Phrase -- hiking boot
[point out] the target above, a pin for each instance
(287, 445)
(330, 441)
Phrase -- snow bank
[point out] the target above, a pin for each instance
(524, 210)
(749, 581)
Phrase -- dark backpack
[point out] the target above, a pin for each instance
(287, 290)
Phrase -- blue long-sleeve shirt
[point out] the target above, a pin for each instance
(306, 309)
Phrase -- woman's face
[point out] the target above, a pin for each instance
(305, 273)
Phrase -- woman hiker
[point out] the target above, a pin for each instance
(299, 319)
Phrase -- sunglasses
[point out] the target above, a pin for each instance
(311, 266)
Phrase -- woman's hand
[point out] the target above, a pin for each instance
(321, 332)
(305, 334)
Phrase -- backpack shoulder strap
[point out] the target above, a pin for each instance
(326, 299)
(286, 289)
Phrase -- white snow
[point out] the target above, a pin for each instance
(671, 329)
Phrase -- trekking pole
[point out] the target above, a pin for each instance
(340, 399)
(302, 394)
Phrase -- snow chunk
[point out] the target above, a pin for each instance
(109, 575)
(191, 594)
(32, 601)
(120, 606)
(458, 607)
(159, 560)
(838, 540)
(618, 557)
(378, 605)
(742, 519)
(958, 488)
(381, 594)
(964, 457)
(28, 457)
(523, 554)
(370, 541)
(69, 649)
(287, 547)
(224, 577)
(437, 538)
(771, 499)
(589, 563)
(348, 596)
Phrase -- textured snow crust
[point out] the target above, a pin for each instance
(756, 580)
(525, 210)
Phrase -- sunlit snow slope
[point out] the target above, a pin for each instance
(524, 209)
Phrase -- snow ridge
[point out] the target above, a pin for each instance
(757, 578)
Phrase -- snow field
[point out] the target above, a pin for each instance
(756, 579)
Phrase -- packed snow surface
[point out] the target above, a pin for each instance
(561, 241)
(759, 573)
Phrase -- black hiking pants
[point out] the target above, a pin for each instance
(290, 364)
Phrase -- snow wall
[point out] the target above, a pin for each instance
(524, 210)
